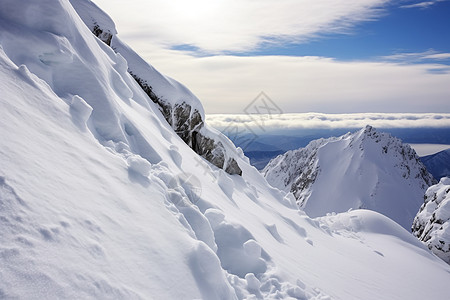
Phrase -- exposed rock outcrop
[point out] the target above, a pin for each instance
(432, 223)
(181, 109)
(187, 122)
(105, 36)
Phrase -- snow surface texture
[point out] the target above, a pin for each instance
(101, 199)
(181, 109)
(432, 223)
(366, 169)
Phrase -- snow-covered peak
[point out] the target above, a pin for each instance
(432, 223)
(100, 197)
(365, 169)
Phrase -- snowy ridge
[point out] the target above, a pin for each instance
(432, 223)
(96, 20)
(365, 169)
(181, 109)
(101, 199)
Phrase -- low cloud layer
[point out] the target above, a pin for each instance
(227, 84)
(269, 123)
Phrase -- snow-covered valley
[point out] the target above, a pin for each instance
(105, 195)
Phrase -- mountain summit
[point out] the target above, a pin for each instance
(365, 169)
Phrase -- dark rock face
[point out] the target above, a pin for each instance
(298, 168)
(215, 153)
(187, 123)
(105, 36)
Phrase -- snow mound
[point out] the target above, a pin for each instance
(432, 223)
(366, 169)
(139, 165)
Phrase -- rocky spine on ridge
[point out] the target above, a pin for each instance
(432, 223)
(187, 123)
(185, 120)
(105, 36)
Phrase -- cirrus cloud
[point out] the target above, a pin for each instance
(422, 5)
(219, 26)
(227, 83)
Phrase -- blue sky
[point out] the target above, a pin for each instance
(326, 56)
(398, 30)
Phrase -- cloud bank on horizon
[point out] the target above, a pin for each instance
(201, 43)
(288, 121)
(226, 84)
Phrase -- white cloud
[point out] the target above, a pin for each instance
(227, 84)
(216, 26)
(422, 5)
(438, 56)
(410, 57)
(319, 120)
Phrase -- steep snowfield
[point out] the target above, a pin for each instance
(98, 199)
(366, 169)
(432, 223)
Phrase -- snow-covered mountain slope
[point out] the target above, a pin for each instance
(101, 199)
(438, 164)
(432, 223)
(366, 169)
(181, 109)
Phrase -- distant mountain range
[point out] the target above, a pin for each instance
(438, 164)
(265, 146)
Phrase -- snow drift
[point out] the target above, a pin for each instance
(100, 198)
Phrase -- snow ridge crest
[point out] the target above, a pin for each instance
(364, 169)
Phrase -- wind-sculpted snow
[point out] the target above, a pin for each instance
(181, 109)
(101, 199)
(432, 223)
(366, 169)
